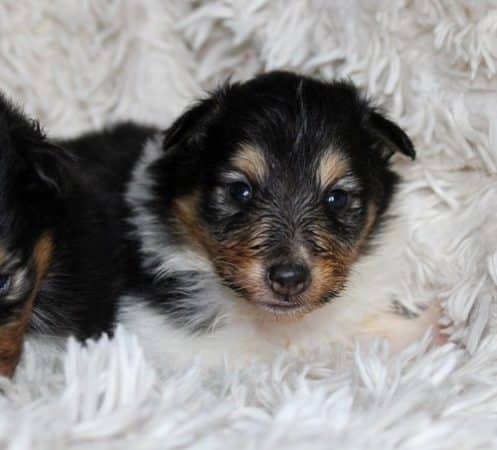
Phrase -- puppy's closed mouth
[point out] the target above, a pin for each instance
(281, 306)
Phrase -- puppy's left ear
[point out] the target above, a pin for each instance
(391, 138)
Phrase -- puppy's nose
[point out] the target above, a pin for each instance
(288, 278)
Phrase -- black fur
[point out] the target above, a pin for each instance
(94, 262)
(72, 190)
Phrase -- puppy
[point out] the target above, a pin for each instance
(28, 208)
(264, 220)
(61, 250)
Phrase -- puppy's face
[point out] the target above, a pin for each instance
(280, 182)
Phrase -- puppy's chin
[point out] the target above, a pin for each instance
(269, 306)
(288, 312)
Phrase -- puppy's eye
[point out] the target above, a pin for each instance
(4, 284)
(240, 192)
(336, 200)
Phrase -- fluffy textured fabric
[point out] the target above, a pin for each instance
(78, 64)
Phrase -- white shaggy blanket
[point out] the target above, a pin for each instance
(77, 64)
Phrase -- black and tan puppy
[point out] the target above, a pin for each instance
(29, 196)
(263, 219)
(259, 221)
(60, 240)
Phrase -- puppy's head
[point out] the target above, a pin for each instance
(31, 186)
(280, 182)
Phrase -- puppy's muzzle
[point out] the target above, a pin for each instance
(288, 279)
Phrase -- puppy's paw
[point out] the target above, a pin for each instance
(430, 318)
(402, 330)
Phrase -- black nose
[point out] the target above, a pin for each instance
(288, 278)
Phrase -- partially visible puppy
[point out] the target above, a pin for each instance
(29, 209)
(60, 241)
(264, 221)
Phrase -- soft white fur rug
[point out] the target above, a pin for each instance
(77, 64)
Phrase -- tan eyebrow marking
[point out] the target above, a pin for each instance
(332, 167)
(3, 255)
(250, 161)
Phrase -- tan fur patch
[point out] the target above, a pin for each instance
(43, 255)
(186, 214)
(12, 334)
(371, 216)
(250, 161)
(332, 167)
(3, 255)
